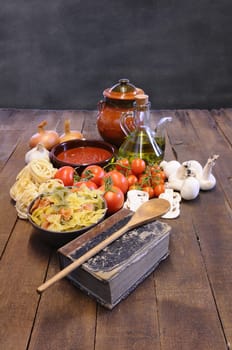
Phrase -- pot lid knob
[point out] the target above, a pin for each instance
(123, 90)
(123, 86)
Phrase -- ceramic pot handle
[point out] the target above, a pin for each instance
(127, 119)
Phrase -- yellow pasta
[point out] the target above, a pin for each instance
(35, 178)
(66, 209)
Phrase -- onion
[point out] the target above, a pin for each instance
(48, 138)
(70, 134)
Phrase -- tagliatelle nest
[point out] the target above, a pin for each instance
(35, 178)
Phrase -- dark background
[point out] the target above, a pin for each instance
(64, 53)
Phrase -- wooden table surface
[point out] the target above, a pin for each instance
(185, 304)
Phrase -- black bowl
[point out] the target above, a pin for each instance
(56, 238)
(73, 144)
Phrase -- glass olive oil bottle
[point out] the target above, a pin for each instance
(140, 142)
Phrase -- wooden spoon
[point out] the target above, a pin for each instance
(147, 212)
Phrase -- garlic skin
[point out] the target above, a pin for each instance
(37, 152)
(190, 188)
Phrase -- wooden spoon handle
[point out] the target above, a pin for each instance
(83, 258)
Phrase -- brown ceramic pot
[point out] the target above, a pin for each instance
(118, 99)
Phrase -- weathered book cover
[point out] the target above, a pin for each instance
(115, 272)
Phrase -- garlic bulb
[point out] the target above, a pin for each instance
(38, 152)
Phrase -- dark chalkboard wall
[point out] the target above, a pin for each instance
(64, 53)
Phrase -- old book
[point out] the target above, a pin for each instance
(111, 275)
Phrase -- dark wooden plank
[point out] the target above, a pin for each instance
(133, 324)
(184, 296)
(216, 246)
(223, 118)
(90, 126)
(213, 141)
(76, 118)
(9, 141)
(208, 233)
(65, 318)
(214, 239)
(4, 114)
(21, 270)
(185, 304)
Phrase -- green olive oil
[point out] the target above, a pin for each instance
(141, 142)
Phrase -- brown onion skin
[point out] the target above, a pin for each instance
(70, 134)
(48, 138)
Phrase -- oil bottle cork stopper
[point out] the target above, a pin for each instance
(141, 99)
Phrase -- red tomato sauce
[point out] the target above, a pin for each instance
(84, 155)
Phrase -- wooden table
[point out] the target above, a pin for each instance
(185, 304)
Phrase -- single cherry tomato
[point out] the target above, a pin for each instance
(132, 180)
(158, 189)
(117, 179)
(90, 184)
(114, 198)
(94, 173)
(149, 190)
(138, 166)
(163, 175)
(66, 175)
(122, 165)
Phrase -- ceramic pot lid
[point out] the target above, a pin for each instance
(123, 90)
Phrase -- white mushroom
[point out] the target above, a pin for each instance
(190, 188)
(170, 167)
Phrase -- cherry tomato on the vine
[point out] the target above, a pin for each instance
(138, 166)
(94, 173)
(135, 187)
(158, 189)
(155, 168)
(122, 165)
(114, 198)
(117, 179)
(66, 175)
(132, 180)
(90, 184)
(157, 179)
(149, 190)
(145, 180)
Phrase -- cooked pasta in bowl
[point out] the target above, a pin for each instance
(65, 213)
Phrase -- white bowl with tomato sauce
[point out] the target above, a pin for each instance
(81, 153)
